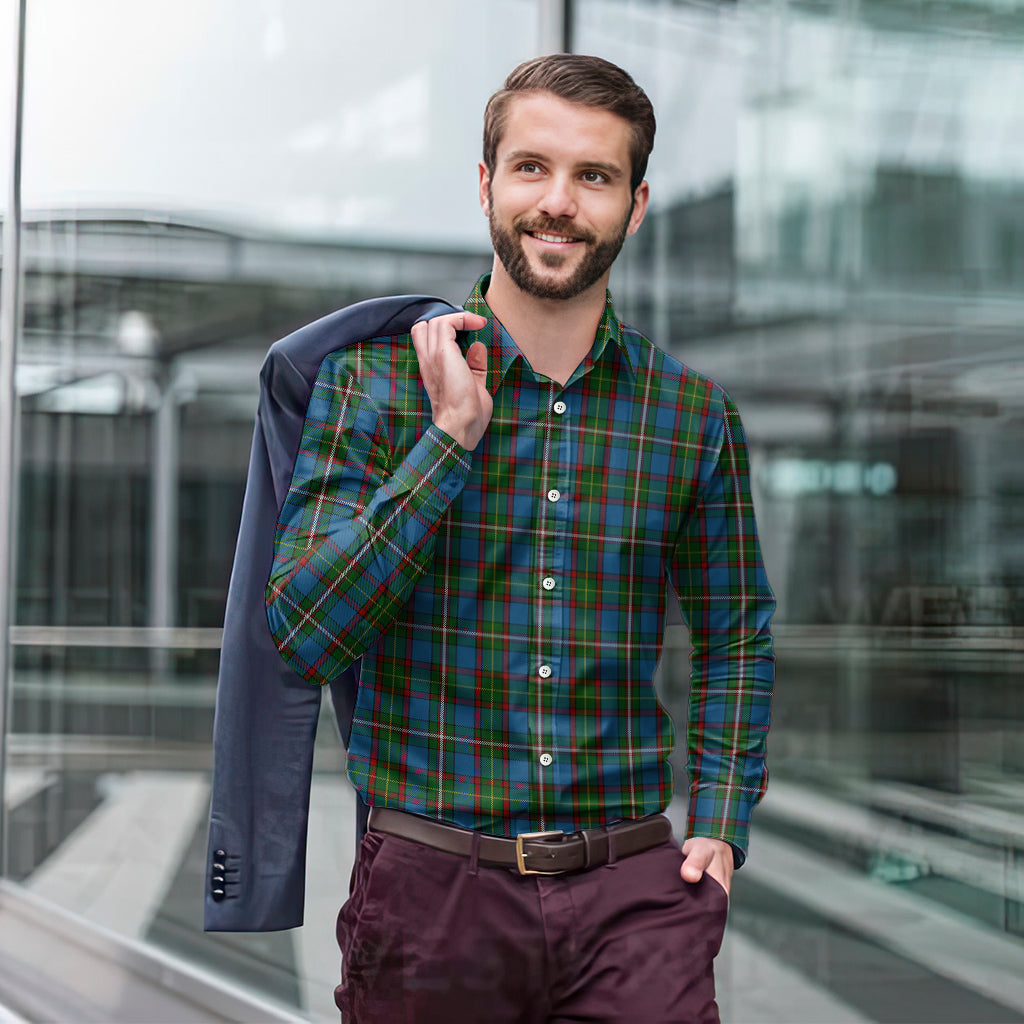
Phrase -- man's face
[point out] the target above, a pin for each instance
(559, 202)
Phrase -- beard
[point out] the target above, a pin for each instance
(598, 257)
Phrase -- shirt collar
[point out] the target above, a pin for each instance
(500, 342)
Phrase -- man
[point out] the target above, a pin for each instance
(491, 515)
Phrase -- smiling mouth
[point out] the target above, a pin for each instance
(546, 237)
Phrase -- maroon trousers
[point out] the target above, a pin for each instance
(430, 937)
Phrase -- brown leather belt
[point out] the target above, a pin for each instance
(530, 853)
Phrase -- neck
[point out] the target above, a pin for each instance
(554, 335)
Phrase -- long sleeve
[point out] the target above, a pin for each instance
(355, 532)
(727, 603)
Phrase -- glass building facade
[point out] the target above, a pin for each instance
(836, 235)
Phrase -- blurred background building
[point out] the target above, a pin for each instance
(836, 235)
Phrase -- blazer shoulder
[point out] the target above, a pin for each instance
(371, 318)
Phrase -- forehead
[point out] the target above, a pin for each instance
(545, 124)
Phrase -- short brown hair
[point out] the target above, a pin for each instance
(577, 78)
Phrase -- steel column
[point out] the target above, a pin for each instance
(10, 320)
(554, 33)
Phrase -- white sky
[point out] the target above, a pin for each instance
(337, 117)
(328, 116)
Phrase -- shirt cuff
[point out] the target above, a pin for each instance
(715, 813)
(436, 469)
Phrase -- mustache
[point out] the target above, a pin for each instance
(552, 226)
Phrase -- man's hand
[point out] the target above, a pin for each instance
(457, 386)
(710, 855)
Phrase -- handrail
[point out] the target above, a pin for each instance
(54, 963)
(166, 637)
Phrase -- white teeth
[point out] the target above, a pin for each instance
(551, 238)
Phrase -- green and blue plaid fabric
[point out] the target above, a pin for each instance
(509, 603)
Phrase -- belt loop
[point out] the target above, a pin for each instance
(586, 848)
(474, 853)
(611, 847)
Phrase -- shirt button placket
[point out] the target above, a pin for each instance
(549, 583)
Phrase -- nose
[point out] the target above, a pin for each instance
(559, 198)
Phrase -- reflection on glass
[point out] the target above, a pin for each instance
(200, 179)
(836, 236)
(8, 25)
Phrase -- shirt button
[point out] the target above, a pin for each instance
(546, 759)
(553, 495)
(559, 407)
(549, 583)
(544, 671)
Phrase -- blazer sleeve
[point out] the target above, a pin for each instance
(266, 715)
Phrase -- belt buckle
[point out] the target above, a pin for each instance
(521, 854)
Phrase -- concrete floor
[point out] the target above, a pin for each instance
(812, 940)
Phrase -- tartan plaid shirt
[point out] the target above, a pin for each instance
(509, 603)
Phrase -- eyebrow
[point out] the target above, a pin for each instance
(611, 170)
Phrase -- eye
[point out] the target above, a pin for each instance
(529, 167)
(594, 177)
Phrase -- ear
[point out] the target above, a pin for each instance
(485, 183)
(640, 199)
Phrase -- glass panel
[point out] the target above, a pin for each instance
(836, 236)
(8, 26)
(201, 177)
(8, 55)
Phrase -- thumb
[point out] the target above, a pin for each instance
(477, 357)
(694, 864)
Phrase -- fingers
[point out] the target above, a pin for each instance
(707, 855)
(434, 339)
(439, 327)
(472, 322)
(696, 863)
(477, 357)
(456, 385)
(436, 348)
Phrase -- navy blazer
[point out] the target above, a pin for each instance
(266, 715)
